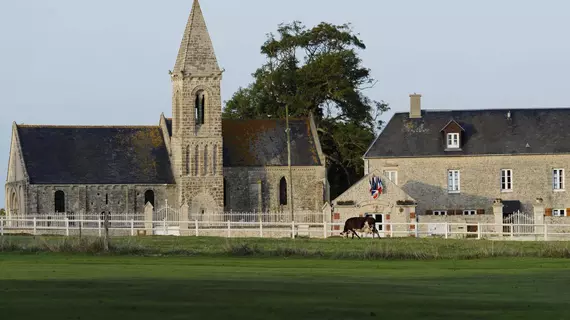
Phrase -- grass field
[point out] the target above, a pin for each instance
(337, 249)
(57, 286)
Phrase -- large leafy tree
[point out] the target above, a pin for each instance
(317, 71)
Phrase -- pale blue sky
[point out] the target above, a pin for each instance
(107, 61)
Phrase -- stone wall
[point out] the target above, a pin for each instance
(425, 179)
(94, 199)
(257, 188)
(558, 224)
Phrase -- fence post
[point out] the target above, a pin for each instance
(391, 231)
(196, 226)
(132, 227)
(35, 226)
(325, 235)
(2, 220)
(66, 227)
(293, 229)
(446, 230)
(545, 232)
(417, 229)
(479, 231)
(164, 225)
(99, 226)
(229, 229)
(260, 228)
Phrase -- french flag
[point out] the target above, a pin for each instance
(376, 187)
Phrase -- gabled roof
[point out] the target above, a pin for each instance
(452, 121)
(487, 132)
(95, 155)
(257, 143)
(196, 54)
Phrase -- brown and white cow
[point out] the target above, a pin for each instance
(360, 224)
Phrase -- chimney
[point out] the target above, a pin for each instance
(415, 106)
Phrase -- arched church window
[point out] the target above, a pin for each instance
(225, 193)
(59, 201)
(149, 197)
(196, 166)
(177, 112)
(205, 173)
(200, 106)
(283, 192)
(215, 160)
(187, 161)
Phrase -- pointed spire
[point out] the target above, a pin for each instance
(196, 54)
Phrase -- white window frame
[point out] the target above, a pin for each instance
(559, 213)
(453, 140)
(558, 180)
(469, 212)
(394, 178)
(440, 212)
(453, 181)
(507, 180)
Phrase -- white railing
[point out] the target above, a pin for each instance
(260, 228)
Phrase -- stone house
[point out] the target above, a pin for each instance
(194, 159)
(472, 166)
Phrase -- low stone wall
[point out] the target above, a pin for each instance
(558, 224)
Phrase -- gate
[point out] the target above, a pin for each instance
(166, 222)
(519, 224)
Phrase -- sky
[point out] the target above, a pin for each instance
(106, 62)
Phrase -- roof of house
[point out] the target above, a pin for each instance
(95, 155)
(487, 132)
(256, 143)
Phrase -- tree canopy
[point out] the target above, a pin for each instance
(317, 71)
(2, 212)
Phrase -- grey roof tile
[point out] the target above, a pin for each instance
(487, 132)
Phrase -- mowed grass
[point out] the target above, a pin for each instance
(61, 286)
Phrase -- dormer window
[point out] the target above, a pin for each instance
(453, 140)
(453, 136)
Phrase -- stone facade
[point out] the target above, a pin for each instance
(194, 144)
(258, 189)
(425, 179)
(393, 206)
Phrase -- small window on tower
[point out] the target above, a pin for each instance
(200, 106)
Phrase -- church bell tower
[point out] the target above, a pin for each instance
(197, 119)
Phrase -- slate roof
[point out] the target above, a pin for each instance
(487, 132)
(95, 155)
(256, 143)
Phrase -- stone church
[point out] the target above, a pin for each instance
(195, 158)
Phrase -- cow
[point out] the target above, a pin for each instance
(360, 224)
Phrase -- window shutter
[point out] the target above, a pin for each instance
(481, 211)
(568, 212)
(548, 212)
(429, 212)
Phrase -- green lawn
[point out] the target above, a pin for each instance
(56, 286)
(366, 249)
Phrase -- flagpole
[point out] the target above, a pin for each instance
(288, 130)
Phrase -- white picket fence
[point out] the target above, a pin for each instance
(133, 225)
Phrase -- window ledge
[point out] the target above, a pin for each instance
(448, 149)
(454, 192)
(561, 190)
(507, 191)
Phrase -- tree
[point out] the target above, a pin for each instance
(317, 71)
(2, 212)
